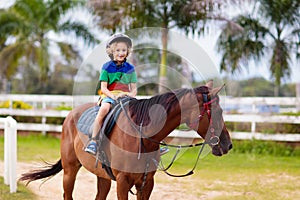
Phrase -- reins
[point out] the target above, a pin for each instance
(173, 159)
(214, 140)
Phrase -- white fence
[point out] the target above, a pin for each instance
(10, 152)
(251, 109)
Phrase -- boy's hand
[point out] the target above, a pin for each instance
(121, 95)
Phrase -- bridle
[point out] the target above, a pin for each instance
(214, 139)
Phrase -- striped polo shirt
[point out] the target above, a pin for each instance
(118, 77)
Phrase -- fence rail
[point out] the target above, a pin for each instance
(250, 109)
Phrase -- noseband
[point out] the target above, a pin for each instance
(214, 139)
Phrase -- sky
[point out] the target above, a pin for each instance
(208, 43)
(6, 3)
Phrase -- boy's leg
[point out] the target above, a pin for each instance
(104, 109)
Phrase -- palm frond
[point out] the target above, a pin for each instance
(79, 30)
(43, 59)
(10, 24)
(26, 9)
(280, 12)
(68, 51)
(9, 58)
(239, 46)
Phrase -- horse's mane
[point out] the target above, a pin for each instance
(139, 108)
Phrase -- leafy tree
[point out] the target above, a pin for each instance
(147, 73)
(166, 14)
(60, 82)
(254, 87)
(25, 35)
(273, 32)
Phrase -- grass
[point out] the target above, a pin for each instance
(252, 170)
(35, 147)
(240, 176)
(22, 193)
(29, 148)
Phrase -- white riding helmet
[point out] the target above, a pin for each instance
(119, 37)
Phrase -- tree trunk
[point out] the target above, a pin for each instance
(276, 91)
(163, 63)
(298, 95)
(4, 84)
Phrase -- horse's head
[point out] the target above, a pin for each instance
(206, 118)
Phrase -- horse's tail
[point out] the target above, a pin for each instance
(48, 171)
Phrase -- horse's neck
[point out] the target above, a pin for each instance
(177, 115)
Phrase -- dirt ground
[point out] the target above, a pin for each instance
(171, 188)
(85, 186)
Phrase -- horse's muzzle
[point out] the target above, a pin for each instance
(221, 149)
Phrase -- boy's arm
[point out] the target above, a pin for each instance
(133, 90)
(106, 92)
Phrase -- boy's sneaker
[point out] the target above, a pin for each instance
(163, 150)
(91, 148)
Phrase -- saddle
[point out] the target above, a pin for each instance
(87, 119)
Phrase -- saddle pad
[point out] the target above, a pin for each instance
(86, 120)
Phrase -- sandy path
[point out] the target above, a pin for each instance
(85, 186)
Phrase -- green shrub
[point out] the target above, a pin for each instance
(265, 148)
(268, 128)
(63, 107)
(291, 113)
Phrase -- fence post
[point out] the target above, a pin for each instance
(44, 107)
(10, 153)
(253, 124)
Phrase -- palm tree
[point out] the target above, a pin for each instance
(273, 32)
(25, 35)
(185, 15)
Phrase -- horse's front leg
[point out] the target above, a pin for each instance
(103, 187)
(145, 192)
(123, 186)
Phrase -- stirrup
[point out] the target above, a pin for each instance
(91, 147)
(163, 150)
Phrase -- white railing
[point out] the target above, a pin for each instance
(249, 110)
(10, 152)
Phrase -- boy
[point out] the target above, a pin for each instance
(117, 79)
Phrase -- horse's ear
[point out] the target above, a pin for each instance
(210, 84)
(216, 90)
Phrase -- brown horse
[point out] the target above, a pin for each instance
(132, 148)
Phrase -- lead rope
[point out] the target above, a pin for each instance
(188, 173)
(172, 161)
